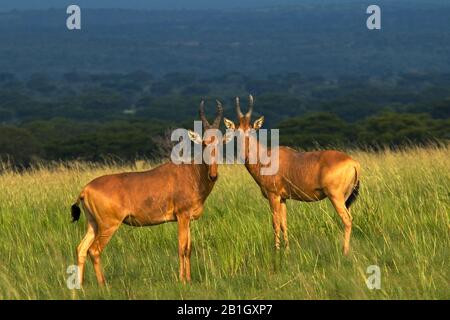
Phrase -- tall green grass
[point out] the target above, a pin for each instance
(401, 224)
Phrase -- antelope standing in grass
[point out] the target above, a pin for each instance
(303, 176)
(166, 193)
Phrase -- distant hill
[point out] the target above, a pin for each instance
(185, 4)
(148, 4)
(311, 39)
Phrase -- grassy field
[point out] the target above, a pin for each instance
(401, 224)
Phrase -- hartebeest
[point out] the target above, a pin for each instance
(303, 176)
(167, 193)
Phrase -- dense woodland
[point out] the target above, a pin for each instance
(126, 116)
(114, 88)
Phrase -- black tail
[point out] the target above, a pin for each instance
(75, 212)
(353, 196)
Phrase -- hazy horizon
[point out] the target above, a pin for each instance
(179, 4)
(144, 4)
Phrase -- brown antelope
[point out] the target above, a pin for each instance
(166, 193)
(303, 176)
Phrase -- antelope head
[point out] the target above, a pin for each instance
(244, 119)
(245, 124)
(211, 138)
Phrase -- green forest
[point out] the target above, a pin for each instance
(115, 88)
(96, 117)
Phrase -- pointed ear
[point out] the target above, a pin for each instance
(229, 124)
(258, 123)
(195, 137)
(229, 135)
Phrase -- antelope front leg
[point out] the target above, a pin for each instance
(275, 204)
(184, 247)
(187, 263)
(284, 227)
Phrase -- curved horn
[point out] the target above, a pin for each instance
(238, 108)
(201, 112)
(250, 106)
(219, 115)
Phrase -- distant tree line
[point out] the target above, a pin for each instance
(124, 116)
(387, 129)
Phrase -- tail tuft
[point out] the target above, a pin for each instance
(75, 212)
(353, 196)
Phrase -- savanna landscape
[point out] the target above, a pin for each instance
(104, 98)
(401, 223)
